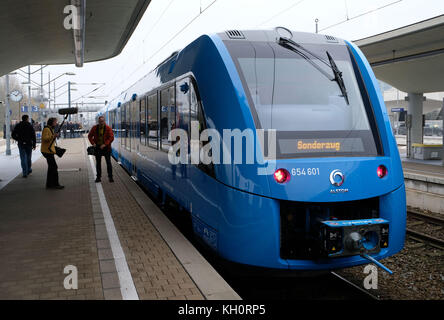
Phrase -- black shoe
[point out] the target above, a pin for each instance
(25, 176)
(111, 179)
(98, 180)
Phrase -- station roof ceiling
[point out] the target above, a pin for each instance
(33, 32)
(410, 58)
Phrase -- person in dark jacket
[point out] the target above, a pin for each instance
(24, 134)
(101, 136)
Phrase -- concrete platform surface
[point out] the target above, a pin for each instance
(111, 235)
(424, 186)
(423, 167)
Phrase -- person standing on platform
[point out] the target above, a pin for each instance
(101, 136)
(24, 134)
(48, 150)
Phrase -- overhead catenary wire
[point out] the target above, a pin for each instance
(131, 56)
(201, 11)
(361, 15)
(164, 45)
(87, 94)
(281, 12)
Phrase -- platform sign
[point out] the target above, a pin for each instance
(35, 109)
(397, 109)
(25, 109)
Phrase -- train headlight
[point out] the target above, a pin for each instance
(382, 171)
(281, 176)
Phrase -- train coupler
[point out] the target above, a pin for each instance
(341, 238)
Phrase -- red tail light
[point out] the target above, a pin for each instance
(281, 176)
(382, 171)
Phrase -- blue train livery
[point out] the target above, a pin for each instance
(318, 183)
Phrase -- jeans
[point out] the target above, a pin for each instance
(107, 154)
(26, 158)
(52, 178)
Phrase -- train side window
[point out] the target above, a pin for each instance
(153, 122)
(134, 106)
(122, 125)
(197, 114)
(117, 127)
(143, 121)
(183, 105)
(127, 126)
(167, 116)
(194, 107)
(124, 114)
(130, 125)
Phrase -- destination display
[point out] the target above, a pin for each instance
(347, 145)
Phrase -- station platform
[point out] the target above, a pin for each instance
(424, 168)
(424, 182)
(121, 245)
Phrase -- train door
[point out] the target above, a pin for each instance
(153, 122)
(126, 152)
(183, 109)
(121, 131)
(118, 126)
(167, 116)
(128, 129)
(134, 135)
(143, 126)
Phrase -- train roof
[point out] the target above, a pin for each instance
(240, 35)
(274, 34)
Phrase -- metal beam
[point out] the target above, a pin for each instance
(78, 31)
(409, 57)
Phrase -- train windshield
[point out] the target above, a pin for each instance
(307, 110)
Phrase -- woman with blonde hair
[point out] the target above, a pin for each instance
(48, 150)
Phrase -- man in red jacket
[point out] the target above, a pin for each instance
(101, 136)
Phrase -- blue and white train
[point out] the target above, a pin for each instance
(330, 194)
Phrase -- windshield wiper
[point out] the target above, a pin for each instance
(296, 47)
(338, 77)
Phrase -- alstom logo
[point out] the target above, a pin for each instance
(337, 178)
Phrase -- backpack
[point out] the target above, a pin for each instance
(15, 133)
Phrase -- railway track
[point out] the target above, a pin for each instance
(422, 236)
(365, 292)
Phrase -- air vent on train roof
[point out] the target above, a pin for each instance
(235, 34)
(331, 39)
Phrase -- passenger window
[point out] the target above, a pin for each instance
(183, 105)
(127, 126)
(143, 121)
(134, 106)
(167, 116)
(124, 133)
(196, 110)
(122, 123)
(153, 122)
(197, 114)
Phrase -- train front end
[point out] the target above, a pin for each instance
(334, 194)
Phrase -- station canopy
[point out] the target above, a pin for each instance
(33, 32)
(410, 58)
